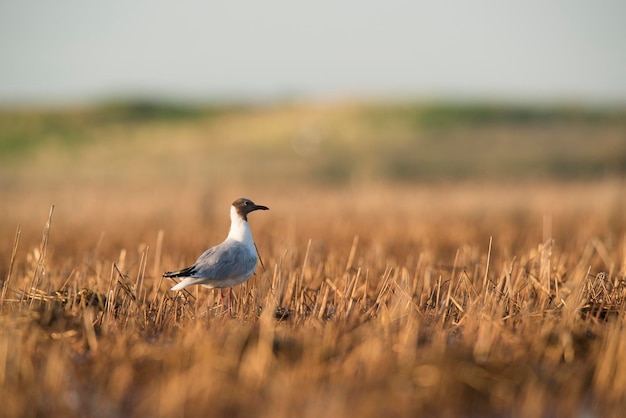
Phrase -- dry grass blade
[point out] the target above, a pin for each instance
(7, 282)
(40, 269)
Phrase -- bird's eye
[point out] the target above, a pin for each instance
(247, 203)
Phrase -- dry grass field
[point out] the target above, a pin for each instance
(461, 289)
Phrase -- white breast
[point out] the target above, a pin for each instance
(240, 231)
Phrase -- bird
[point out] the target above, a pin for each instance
(227, 264)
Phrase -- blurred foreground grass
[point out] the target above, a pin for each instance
(418, 260)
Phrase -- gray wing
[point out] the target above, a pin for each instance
(224, 262)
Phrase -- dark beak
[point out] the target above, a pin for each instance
(259, 207)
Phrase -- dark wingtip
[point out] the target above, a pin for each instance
(184, 272)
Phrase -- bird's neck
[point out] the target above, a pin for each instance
(239, 228)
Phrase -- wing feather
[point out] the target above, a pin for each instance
(225, 263)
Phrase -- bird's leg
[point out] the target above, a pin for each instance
(226, 304)
(222, 297)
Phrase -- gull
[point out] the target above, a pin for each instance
(227, 264)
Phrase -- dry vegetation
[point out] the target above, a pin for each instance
(375, 299)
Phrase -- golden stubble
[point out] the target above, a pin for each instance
(435, 300)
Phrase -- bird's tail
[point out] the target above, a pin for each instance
(181, 285)
(186, 282)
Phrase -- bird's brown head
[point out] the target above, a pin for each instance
(244, 206)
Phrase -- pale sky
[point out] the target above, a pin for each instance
(66, 51)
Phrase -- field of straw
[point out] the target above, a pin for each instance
(481, 294)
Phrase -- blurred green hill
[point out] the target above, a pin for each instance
(312, 144)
